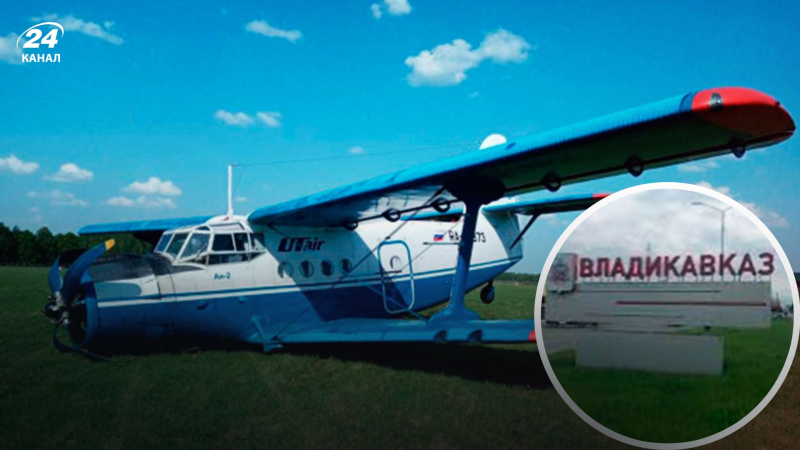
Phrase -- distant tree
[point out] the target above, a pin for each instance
(26, 247)
(67, 241)
(21, 247)
(123, 243)
(46, 247)
(8, 246)
(527, 278)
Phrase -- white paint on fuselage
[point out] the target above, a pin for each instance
(429, 256)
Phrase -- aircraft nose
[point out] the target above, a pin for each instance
(71, 297)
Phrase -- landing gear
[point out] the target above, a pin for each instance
(487, 293)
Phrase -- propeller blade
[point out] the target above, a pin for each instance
(54, 277)
(72, 279)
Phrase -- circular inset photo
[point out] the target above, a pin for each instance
(665, 315)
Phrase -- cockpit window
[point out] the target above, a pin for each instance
(257, 240)
(176, 244)
(242, 242)
(163, 242)
(223, 243)
(197, 244)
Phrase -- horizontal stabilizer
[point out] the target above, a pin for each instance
(399, 330)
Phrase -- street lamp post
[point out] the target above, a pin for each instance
(721, 212)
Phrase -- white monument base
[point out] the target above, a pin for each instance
(651, 352)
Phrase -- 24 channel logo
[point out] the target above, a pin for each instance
(35, 41)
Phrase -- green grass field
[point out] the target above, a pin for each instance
(401, 396)
(678, 408)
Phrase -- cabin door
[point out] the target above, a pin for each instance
(397, 276)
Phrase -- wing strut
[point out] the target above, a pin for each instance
(524, 230)
(476, 192)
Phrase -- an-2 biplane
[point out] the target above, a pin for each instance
(342, 265)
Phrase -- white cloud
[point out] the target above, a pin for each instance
(153, 186)
(446, 64)
(398, 7)
(270, 119)
(393, 7)
(71, 173)
(143, 201)
(72, 23)
(724, 190)
(699, 166)
(58, 197)
(9, 53)
(770, 218)
(265, 29)
(120, 201)
(36, 213)
(240, 199)
(239, 119)
(356, 150)
(18, 166)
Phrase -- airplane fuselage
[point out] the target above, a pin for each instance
(299, 277)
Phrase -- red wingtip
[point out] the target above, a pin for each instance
(600, 195)
(754, 114)
(532, 336)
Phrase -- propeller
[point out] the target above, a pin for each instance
(72, 279)
(65, 291)
(54, 276)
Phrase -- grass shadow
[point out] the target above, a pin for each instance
(471, 362)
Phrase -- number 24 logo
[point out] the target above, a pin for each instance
(50, 38)
(35, 33)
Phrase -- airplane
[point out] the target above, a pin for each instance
(363, 262)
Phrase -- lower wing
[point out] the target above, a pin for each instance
(400, 330)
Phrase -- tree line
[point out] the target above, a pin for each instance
(25, 248)
(522, 278)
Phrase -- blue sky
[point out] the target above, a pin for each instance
(154, 90)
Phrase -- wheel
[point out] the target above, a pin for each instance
(487, 293)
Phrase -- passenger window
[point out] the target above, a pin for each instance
(327, 268)
(307, 269)
(257, 241)
(346, 265)
(176, 244)
(223, 243)
(285, 269)
(242, 242)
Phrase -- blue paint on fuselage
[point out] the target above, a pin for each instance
(231, 317)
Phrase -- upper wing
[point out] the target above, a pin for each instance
(696, 125)
(142, 226)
